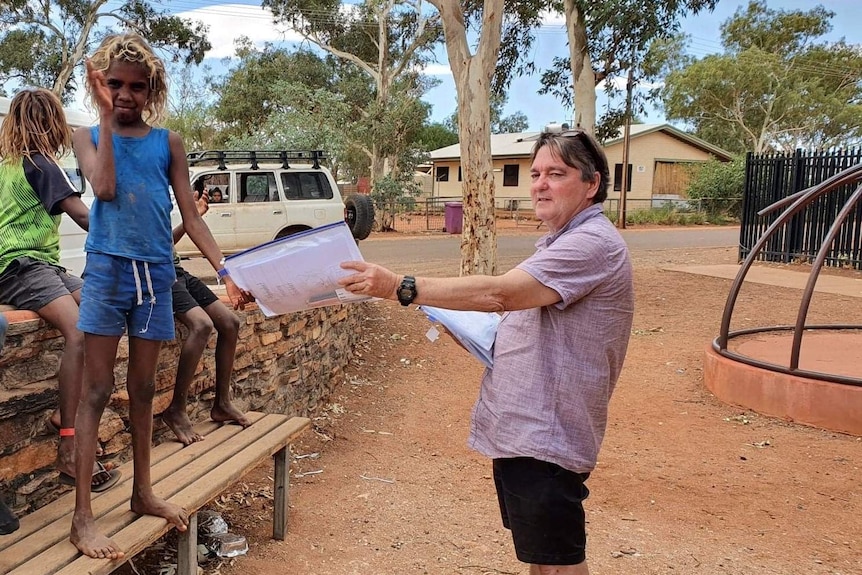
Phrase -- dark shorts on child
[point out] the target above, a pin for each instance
(542, 504)
(120, 292)
(189, 292)
(31, 284)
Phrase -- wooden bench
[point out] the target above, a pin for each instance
(190, 477)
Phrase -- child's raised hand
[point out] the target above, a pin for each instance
(99, 87)
(202, 203)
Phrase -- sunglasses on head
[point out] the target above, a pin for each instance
(584, 137)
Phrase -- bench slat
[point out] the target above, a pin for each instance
(136, 537)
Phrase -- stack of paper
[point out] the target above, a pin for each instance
(476, 330)
(297, 272)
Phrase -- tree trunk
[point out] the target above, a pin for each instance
(583, 76)
(472, 75)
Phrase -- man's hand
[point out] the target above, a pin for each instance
(370, 279)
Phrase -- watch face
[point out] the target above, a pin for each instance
(407, 291)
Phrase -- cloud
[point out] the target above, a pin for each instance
(227, 22)
(437, 70)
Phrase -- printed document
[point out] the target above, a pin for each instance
(476, 330)
(298, 272)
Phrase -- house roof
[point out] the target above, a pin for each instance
(521, 144)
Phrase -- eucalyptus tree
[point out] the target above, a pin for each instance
(777, 86)
(42, 41)
(301, 99)
(606, 39)
(385, 39)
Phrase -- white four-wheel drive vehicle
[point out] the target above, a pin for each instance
(255, 196)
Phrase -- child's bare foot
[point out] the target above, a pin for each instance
(181, 425)
(229, 414)
(90, 542)
(175, 514)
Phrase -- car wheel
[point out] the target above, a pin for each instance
(359, 214)
(291, 231)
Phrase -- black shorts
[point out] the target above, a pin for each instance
(189, 292)
(542, 504)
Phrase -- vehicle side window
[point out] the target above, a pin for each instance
(306, 186)
(257, 187)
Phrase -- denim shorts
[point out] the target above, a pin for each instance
(120, 293)
(542, 504)
(31, 284)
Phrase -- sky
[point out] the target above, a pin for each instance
(231, 19)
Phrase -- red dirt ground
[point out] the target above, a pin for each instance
(685, 484)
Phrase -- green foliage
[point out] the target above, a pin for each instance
(435, 136)
(395, 192)
(298, 100)
(776, 87)
(668, 215)
(719, 185)
(42, 43)
(500, 124)
(620, 34)
(384, 41)
(190, 108)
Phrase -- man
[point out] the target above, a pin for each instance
(567, 315)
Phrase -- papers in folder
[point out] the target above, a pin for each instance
(476, 330)
(297, 272)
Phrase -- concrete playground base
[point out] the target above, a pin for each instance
(823, 404)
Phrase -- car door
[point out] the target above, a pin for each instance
(260, 214)
(221, 216)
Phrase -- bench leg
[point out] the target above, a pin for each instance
(280, 503)
(187, 548)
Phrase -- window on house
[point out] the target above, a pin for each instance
(459, 173)
(510, 174)
(618, 178)
(442, 174)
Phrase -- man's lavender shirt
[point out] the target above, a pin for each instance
(555, 367)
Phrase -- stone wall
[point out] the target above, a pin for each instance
(288, 364)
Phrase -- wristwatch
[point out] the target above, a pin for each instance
(407, 290)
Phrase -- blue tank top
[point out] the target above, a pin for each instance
(137, 223)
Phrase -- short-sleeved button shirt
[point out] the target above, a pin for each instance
(555, 367)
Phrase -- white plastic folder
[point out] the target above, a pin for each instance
(298, 272)
(476, 330)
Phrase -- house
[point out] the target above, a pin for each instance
(659, 160)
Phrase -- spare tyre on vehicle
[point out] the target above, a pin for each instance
(359, 215)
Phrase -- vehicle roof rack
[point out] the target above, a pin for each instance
(253, 157)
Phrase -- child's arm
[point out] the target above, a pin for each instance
(77, 210)
(193, 224)
(97, 164)
(203, 205)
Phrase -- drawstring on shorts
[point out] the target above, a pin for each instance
(139, 290)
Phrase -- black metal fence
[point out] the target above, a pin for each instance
(772, 177)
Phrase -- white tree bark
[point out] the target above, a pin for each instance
(472, 74)
(583, 76)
